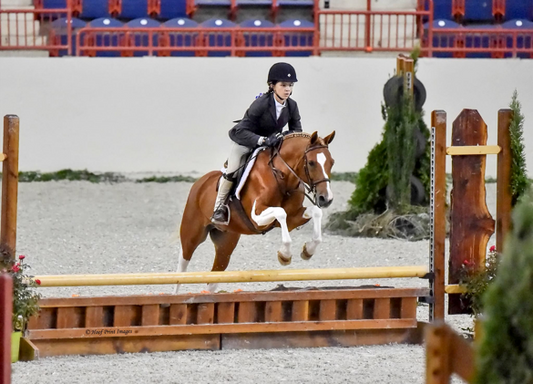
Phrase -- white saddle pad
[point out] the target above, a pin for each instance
(246, 172)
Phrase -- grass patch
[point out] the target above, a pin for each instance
(167, 179)
(344, 176)
(106, 177)
(69, 174)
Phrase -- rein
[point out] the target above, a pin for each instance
(310, 185)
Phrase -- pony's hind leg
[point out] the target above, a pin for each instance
(191, 237)
(225, 243)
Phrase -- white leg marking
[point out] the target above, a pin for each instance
(321, 158)
(316, 214)
(182, 267)
(268, 216)
(212, 287)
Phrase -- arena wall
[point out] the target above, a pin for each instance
(172, 114)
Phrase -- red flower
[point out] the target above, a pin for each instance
(492, 249)
(22, 257)
(38, 281)
(15, 268)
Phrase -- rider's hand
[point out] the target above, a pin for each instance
(273, 140)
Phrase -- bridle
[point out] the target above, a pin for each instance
(310, 185)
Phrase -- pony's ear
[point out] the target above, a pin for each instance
(329, 138)
(314, 137)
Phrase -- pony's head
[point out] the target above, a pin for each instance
(317, 166)
(313, 163)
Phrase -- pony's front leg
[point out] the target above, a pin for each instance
(266, 217)
(315, 213)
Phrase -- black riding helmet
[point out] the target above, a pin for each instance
(282, 72)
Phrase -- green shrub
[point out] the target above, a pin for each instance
(505, 352)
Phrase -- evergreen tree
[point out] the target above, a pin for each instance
(505, 353)
(519, 180)
(400, 138)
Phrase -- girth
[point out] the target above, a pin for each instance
(236, 206)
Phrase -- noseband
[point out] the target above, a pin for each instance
(310, 185)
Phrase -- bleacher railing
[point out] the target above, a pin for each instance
(334, 30)
(369, 30)
(199, 41)
(31, 29)
(490, 42)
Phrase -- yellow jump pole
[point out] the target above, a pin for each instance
(232, 276)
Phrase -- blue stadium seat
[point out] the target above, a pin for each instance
(106, 39)
(132, 9)
(254, 2)
(140, 38)
(206, 10)
(442, 9)
(442, 40)
(522, 41)
(294, 10)
(261, 38)
(180, 22)
(60, 33)
(218, 39)
(171, 9)
(478, 11)
(62, 23)
(143, 22)
(54, 4)
(105, 22)
(213, 2)
(181, 39)
(296, 3)
(297, 39)
(518, 24)
(253, 10)
(92, 9)
(518, 9)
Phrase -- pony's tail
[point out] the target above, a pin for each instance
(175, 236)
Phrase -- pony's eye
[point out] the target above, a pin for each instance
(311, 163)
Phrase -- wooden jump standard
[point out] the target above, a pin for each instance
(8, 236)
(471, 224)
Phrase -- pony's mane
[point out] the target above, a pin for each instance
(305, 135)
(297, 134)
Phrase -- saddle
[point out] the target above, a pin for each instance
(239, 177)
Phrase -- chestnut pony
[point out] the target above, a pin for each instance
(272, 196)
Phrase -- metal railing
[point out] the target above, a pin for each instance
(334, 30)
(372, 30)
(495, 43)
(33, 29)
(233, 41)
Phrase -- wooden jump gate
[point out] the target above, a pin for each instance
(275, 319)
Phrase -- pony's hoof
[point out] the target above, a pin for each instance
(283, 260)
(305, 255)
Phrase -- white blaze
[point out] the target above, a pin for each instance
(321, 158)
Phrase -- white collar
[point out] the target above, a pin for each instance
(278, 104)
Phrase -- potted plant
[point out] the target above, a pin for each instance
(25, 298)
(476, 280)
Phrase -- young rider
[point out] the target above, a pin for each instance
(261, 126)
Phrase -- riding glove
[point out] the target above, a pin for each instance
(273, 140)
